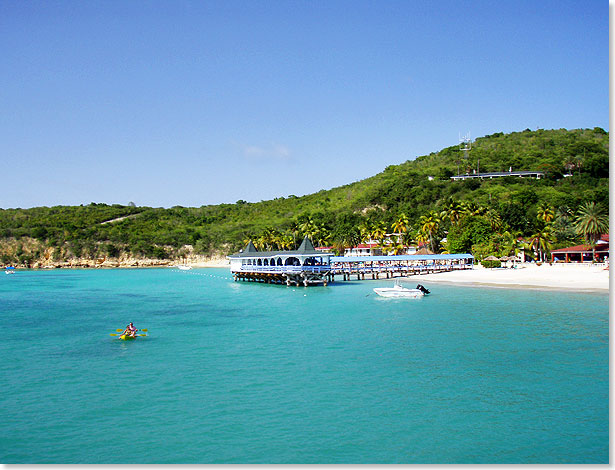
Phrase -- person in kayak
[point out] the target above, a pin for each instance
(130, 330)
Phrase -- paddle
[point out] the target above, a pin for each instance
(119, 330)
(113, 334)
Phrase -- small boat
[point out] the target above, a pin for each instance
(399, 291)
(184, 267)
(9, 270)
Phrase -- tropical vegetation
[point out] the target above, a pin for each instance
(413, 203)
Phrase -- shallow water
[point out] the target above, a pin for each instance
(253, 373)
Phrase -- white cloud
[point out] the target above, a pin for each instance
(270, 152)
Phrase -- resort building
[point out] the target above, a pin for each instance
(364, 249)
(500, 174)
(582, 253)
(374, 248)
(305, 265)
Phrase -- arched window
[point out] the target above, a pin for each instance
(279, 261)
(292, 261)
(259, 262)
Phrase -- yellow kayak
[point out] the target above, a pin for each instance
(126, 337)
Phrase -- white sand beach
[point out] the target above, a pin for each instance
(571, 276)
(216, 262)
(583, 277)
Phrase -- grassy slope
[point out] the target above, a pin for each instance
(399, 188)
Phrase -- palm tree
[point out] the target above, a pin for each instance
(365, 229)
(324, 235)
(345, 238)
(294, 230)
(379, 231)
(421, 238)
(591, 222)
(309, 228)
(398, 248)
(260, 243)
(287, 241)
(495, 220)
(454, 211)
(429, 225)
(385, 247)
(269, 240)
(401, 224)
(472, 208)
(409, 237)
(542, 241)
(519, 245)
(512, 243)
(546, 213)
(263, 242)
(563, 227)
(564, 212)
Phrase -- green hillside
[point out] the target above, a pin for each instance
(417, 199)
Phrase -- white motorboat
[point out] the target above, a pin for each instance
(399, 291)
(184, 267)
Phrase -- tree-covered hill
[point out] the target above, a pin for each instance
(417, 199)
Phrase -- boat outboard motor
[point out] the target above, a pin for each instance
(423, 289)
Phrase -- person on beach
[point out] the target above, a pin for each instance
(130, 330)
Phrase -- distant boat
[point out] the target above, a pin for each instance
(399, 291)
(183, 267)
(9, 270)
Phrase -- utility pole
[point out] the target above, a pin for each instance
(465, 145)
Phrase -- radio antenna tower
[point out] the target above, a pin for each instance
(465, 145)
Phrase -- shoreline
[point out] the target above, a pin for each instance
(124, 263)
(559, 277)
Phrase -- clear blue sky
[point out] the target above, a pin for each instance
(201, 102)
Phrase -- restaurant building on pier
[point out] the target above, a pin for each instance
(305, 265)
(309, 266)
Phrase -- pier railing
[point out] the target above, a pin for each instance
(401, 267)
(285, 269)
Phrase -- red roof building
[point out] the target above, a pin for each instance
(581, 253)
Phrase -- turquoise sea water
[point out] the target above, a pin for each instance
(253, 373)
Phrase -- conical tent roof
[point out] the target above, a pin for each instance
(306, 246)
(250, 248)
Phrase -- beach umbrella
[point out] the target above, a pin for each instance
(492, 258)
(505, 258)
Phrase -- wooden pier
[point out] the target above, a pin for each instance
(307, 266)
(388, 267)
(306, 276)
(303, 266)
